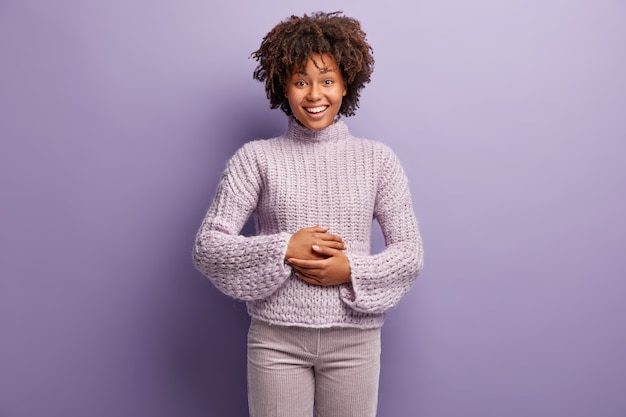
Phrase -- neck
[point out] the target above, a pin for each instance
(337, 130)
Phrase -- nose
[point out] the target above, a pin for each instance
(314, 92)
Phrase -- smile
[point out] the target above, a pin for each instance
(315, 110)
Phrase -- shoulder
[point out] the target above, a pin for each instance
(253, 150)
(251, 147)
(383, 161)
(376, 149)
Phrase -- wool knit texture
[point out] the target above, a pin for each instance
(310, 178)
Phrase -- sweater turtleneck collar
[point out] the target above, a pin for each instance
(336, 131)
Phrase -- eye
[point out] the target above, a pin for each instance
(300, 83)
(328, 82)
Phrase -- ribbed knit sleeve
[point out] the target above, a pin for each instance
(379, 281)
(246, 268)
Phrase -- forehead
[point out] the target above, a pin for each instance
(322, 63)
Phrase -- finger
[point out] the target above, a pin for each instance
(325, 250)
(314, 281)
(316, 229)
(330, 244)
(313, 273)
(306, 263)
(329, 237)
(305, 278)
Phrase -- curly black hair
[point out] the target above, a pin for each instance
(293, 41)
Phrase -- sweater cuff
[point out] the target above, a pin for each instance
(349, 293)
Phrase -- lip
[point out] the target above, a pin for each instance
(317, 115)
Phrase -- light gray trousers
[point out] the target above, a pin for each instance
(292, 370)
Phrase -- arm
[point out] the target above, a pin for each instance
(379, 281)
(249, 268)
(242, 267)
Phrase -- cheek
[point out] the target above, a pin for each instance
(290, 90)
(291, 94)
(292, 102)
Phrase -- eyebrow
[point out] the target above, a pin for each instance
(322, 71)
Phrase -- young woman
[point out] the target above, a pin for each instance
(316, 294)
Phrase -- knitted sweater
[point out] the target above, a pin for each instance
(311, 178)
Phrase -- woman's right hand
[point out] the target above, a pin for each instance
(301, 243)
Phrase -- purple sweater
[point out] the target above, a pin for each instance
(311, 178)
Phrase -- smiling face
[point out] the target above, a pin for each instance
(315, 92)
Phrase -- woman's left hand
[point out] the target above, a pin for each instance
(334, 269)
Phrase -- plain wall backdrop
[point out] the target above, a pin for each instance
(116, 121)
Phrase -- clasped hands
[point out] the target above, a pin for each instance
(317, 257)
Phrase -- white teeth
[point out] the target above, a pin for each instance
(317, 109)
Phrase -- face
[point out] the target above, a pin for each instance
(315, 92)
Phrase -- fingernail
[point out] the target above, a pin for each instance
(315, 247)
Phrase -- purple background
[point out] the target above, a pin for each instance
(116, 119)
